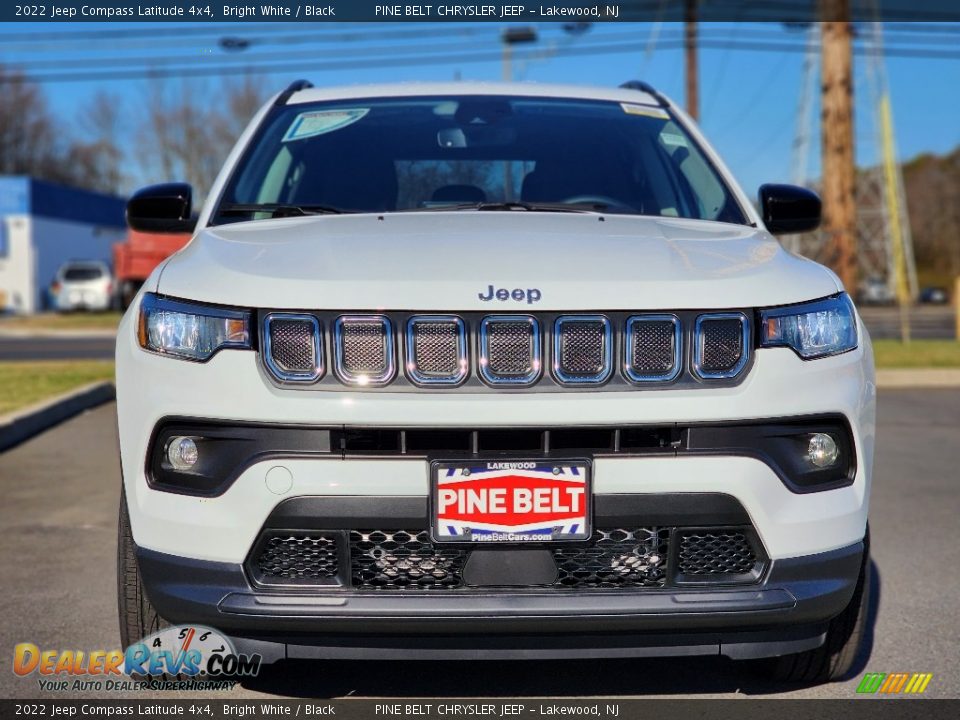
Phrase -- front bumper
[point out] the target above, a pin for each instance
(787, 612)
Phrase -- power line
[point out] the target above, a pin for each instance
(265, 65)
(731, 38)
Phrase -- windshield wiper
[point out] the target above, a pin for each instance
(527, 206)
(280, 210)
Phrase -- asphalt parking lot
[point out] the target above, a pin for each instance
(58, 528)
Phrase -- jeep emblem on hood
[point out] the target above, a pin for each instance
(531, 295)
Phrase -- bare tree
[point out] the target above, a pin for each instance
(186, 137)
(27, 138)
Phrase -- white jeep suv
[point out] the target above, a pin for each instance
(493, 371)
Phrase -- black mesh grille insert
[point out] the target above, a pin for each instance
(721, 344)
(437, 352)
(583, 347)
(364, 347)
(510, 348)
(292, 345)
(715, 553)
(403, 560)
(298, 557)
(652, 348)
(620, 557)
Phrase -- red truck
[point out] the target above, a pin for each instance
(135, 259)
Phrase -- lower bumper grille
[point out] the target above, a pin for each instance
(616, 558)
(625, 558)
(402, 560)
(715, 553)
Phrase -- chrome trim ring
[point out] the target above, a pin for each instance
(419, 378)
(603, 375)
(536, 356)
(358, 379)
(628, 370)
(698, 346)
(293, 376)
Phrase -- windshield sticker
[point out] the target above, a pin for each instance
(645, 110)
(320, 122)
(673, 139)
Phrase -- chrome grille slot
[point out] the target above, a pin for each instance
(583, 349)
(365, 349)
(436, 350)
(652, 348)
(510, 349)
(722, 345)
(292, 347)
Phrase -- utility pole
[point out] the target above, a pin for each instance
(839, 207)
(690, 54)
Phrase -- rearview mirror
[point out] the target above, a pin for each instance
(161, 208)
(789, 209)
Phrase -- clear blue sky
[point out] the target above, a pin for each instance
(749, 98)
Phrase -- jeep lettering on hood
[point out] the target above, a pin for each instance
(531, 295)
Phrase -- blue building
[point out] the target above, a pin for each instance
(42, 226)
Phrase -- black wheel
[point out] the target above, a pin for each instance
(834, 659)
(138, 617)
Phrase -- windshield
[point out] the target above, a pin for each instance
(82, 272)
(474, 152)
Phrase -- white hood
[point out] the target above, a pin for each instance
(444, 261)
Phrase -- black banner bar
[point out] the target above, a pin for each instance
(563, 11)
(487, 709)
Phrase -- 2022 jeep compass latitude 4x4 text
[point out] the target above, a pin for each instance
(493, 371)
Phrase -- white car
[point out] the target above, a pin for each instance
(493, 371)
(82, 285)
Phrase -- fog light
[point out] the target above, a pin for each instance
(182, 453)
(822, 450)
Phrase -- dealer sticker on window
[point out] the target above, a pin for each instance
(511, 501)
(321, 122)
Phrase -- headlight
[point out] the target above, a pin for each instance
(189, 330)
(813, 330)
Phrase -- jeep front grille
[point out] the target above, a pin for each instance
(582, 349)
(613, 351)
(510, 349)
(293, 347)
(652, 348)
(364, 349)
(436, 350)
(721, 345)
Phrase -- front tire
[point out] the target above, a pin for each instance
(835, 658)
(138, 617)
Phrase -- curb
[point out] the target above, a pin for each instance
(918, 378)
(24, 424)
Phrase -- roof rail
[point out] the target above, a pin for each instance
(293, 87)
(647, 88)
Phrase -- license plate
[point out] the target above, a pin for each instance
(516, 501)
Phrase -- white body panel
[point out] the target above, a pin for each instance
(444, 260)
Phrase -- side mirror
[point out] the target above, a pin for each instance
(161, 209)
(789, 209)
